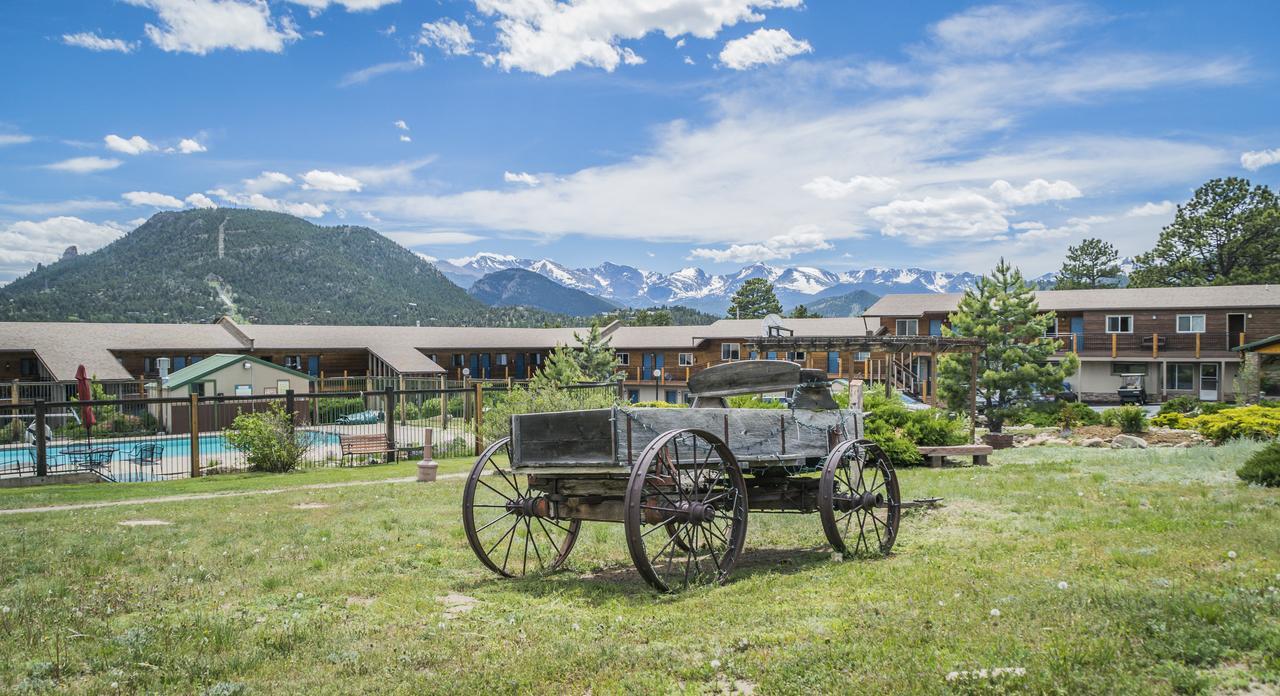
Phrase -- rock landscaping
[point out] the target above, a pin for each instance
(1106, 436)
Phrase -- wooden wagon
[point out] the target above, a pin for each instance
(682, 481)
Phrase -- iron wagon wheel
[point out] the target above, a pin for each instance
(688, 483)
(508, 524)
(858, 499)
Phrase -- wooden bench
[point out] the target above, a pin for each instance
(936, 455)
(356, 445)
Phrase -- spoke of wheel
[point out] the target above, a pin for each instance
(479, 505)
(495, 490)
(862, 532)
(510, 482)
(529, 530)
(557, 524)
(555, 548)
(712, 548)
(495, 521)
(660, 525)
(499, 541)
(875, 527)
(670, 540)
(524, 562)
(510, 543)
(715, 531)
(659, 509)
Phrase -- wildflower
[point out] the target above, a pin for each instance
(296, 614)
(1231, 554)
(952, 676)
(1062, 585)
(995, 613)
(5, 610)
(298, 596)
(715, 664)
(576, 627)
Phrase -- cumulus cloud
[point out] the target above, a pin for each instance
(84, 165)
(261, 202)
(350, 5)
(14, 139)
(321, 180)
(435, 237)
(1038, 191)
(267, 181)
(834, 189)
(132, 146)
(799, 240)
(190, 146)
(1257, 159)
(1149, 209)
(451, 37)
(48, 208)
(550, 37)
(156, 200)
(520, 178)
(401, 125)
(958, 215)
(93, 42)
(199, 200)
(25, 243)
(201, 26)
(762, 47)
(414, 62)
(405, 139)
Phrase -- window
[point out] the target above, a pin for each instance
(730, 351)
(282, 386)
(862, 357)
(148, 366)
(685, 360)
(670, 396)
(795, 356)
(624, 359)
(1120, 323)
(293, 362)
(1190, 323)
(244, 390)
(1128, 368)
(1181, 376)
(197, 388)
(459, 360)
(633, 396)
(502, 359)
(907, 327)
(27, 367)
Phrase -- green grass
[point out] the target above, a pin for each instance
(250, 595)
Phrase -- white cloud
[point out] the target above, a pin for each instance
(201, 26)
(405, 139)
(84, 165)
(317, 6)
(762, 47)
(330, 181)
(409, 239)
(799, 240)
(14, 139)
(1149, 209)
(521, 178)
(190, 146)
(998, 29)
(958, 215)
(401, 125)
(46, 208)
(261, 202)
(399, 174)
(132, 146)
(1255, 160)
(1036, 192)
(93, 42)
(267, 181)
(550, 37)
(25, 243)
(834, 189)
(451, 37)
(414, 62)
(199, 200)
(156, 200)
(688, 60)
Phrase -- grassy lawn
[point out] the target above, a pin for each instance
(1170, 567)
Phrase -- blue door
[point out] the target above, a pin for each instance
(1077, 328)
(475, 364)
(935, 327)
(519, 365)
(657, 362)
(313, 365)
(753, 355)
(646, 365)
(772, 355)
(833, 363)
(485, 359)
(179, 362)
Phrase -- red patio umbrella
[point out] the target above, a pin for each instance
(84, 392)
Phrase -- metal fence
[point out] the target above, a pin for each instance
(151, 439)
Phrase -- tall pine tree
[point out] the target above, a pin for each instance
(754, 300)
(595, 356)
(1092, 263)
(1014, 365)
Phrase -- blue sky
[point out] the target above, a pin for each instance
(693, 132)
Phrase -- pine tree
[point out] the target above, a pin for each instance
(559, 369)
(1092, 263)
(754, 300)
(595, 356)
(1014, 365)
(802, 312)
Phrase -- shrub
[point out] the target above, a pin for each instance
(1130, 419)
(1254, 422)
(900, 431)
(540, 396)
(334, 406)
(1180, 404)
(1051, 414)
(1263, 468)
(1173, 419)
(753, 401)
(656, 404)
(935, 428)
(268, 439)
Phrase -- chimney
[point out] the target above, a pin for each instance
(162, 366)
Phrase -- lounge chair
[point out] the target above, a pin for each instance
(361, 418)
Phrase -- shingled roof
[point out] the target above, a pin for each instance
(1214, 296)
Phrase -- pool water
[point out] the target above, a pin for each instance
(211, 446)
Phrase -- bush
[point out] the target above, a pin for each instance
(1263, 468)
(656, 404)
(268, 439)
(540, 396)
(1051, 414)
(1180, 404)
(1130, 419)
(1173, 419)
(331, 408)
(753, 401)
(1073, 413)
(1254, 422)
(900, 431)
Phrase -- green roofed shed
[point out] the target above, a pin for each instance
(234, 374)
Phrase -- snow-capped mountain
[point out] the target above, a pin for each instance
(694, 287)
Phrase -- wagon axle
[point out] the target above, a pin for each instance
(683, 512)
(864, 501)
(532, 506)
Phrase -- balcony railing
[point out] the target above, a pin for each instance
(1153, 344)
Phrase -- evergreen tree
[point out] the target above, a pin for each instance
(802, 312)
(1228, 233)
(754, 300)
(559, 369)
(1014, 364)
(595, 356)
(1092, 263)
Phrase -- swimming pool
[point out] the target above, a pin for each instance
(212, 446)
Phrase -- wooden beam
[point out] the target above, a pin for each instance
(973, 397)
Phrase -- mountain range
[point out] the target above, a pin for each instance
(696, 288)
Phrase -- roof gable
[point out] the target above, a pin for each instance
(213, 363)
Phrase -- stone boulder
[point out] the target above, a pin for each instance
(1128, 442)
(1093, 442)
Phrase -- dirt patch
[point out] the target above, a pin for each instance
(310, 506)
(144, 523)
(1155, 436)
(456, 605)
(359, 601)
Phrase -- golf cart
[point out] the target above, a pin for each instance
(1132, 389)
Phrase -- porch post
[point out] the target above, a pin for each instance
(973, 397)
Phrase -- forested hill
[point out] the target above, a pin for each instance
(257, 266)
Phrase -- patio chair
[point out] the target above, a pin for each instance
(147, 456)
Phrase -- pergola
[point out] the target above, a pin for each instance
(933, 346)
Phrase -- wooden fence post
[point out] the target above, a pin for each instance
(195, 436)
(403, 410)
(42, 444)
(973, 397)
(390, 397)
(479, 417)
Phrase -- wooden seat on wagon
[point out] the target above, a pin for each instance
(938, 455)
(357, 445)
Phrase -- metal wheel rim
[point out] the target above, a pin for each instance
(695, 551)
(509, 543)
(859, 531)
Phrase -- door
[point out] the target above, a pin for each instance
(1235, 330)
(475, 365)
(313, 365)
(833, 363)
(657, 362)
(485, 362)
(921, 367)
(519, 365)
(935, 327)
(646, 366)
(1077, 330)
(1208, 381)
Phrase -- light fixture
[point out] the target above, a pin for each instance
(247, 365)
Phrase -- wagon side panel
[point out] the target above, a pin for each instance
(563, 439)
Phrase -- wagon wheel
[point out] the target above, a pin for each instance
(508, 523)
(858, 499)
(687, 483)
